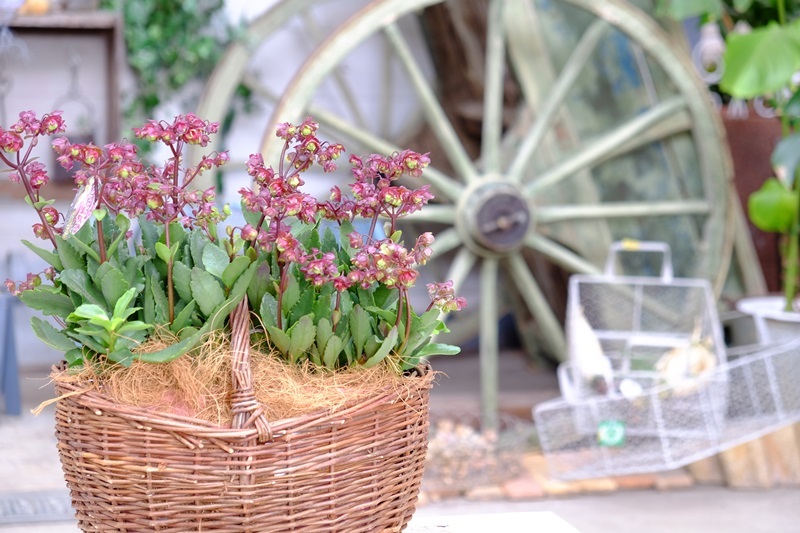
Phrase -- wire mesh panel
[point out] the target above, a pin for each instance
(645, 331)
(667, 427)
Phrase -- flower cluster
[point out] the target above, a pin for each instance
(376, 194)
(300, 262)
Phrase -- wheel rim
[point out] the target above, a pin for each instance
(507, 170)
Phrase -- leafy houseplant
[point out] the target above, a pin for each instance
(332, 304)
(335, 297)
(763, 63)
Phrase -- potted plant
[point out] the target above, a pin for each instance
(159, 431)
(762, 63)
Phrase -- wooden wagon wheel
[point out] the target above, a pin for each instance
(540, 183)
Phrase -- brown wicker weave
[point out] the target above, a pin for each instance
(357, 470)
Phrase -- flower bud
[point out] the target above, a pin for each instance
(249, 233)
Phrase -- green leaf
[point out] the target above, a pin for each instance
(291, 294)
(48, 300)
(88, 341)
(123, 302)
(262, 279)
(279, 339)
(436, 349)
(304, 306)
(234, 270)
(684, 9)
(215, 260)
(81, 246)
(184, 318)
(112, 283)
(323, 305)
(50, 335)
(365, 297)
(206, 290)
(182, 280)
(163, 252)
(197, 243)
(99, 214)
(89, 312)
(78, 282)
(344, 230)
(217, 319)
(372, 346)
(134, 325)
(302, 333)
(773, 207)
(123, 225)
(149, 234)
(385, 297)
(160, 301)
(74, 357)
(324, 333)
(70, 257)
(786, 159)
(762, 61)
(329, 243)
(386, 315)
(51, 258)
(269, 310)
(123, 356)
(360, 328)
(249, 216)
(332, 351)
(384, 350)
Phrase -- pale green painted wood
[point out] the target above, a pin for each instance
(489, 350)
(561, 213)
(492, 127)
(560, 255)
(537, 303)
(534, 127)
(547, 112)
(437, 118)
(594, 152)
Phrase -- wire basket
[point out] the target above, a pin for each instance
(666, 428)
(637, 323)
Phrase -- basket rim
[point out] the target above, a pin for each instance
(86, 394)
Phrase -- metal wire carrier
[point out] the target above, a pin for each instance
(648, 386)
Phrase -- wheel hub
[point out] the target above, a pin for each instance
(494, 217)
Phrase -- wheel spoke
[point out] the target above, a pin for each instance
(460, 268)
(560, 255)
(493, 91)
(437, 118)
(371, 142)
(339, 79)
(560, 213)
(445, 241)
(599, 150)
(489, 351)
(540, 309)
(434, 213)
(570, 72)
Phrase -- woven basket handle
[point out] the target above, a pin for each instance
(246, 410)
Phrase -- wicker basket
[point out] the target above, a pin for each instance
(129, 469)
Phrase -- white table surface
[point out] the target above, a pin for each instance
(537, 522)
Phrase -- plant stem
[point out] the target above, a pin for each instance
(170, 293)
(792, 257)
(782, 12)
(281, 288)
(101, 242)
(19, 167)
